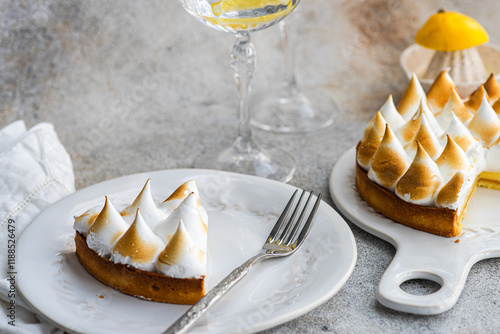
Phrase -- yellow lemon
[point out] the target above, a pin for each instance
(451, 31)
(225, 6)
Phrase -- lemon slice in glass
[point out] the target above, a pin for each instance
(227, 18)
(226, 6)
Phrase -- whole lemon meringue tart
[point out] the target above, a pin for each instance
(148, 250)
(419, 163)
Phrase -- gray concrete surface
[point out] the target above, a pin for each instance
(135, 86)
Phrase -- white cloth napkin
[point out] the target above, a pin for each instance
(35, 171)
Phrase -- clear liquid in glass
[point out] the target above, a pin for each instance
(239, 15)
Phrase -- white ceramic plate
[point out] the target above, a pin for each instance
(421, 255)
(242, 210)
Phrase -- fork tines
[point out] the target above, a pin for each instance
(287, 226)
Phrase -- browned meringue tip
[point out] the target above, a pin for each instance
(496, 107)
(426, 138)
(377, 122)
(106, 216)
(142, 192)
(172, 253)
(440, 91)
(131, 244)
(388, 165)
(492, 88)
(411, 98)
(180, 192)
(475, 99)
(107, 202)
(88, 216)
(177, 246)
(421, 180)
(485, 125)
(408, 130)
(448, 195)
(369, 144)
(453, 156)
(455, 105)
(464, 138)
(421, 152)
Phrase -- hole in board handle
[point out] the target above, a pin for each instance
(421, 284)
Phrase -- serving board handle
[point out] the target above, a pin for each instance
(411, 262)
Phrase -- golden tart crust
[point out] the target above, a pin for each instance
(136, 282)
(440, 221)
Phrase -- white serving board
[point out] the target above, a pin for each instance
(421, 255)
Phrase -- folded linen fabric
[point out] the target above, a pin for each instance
(35, 171)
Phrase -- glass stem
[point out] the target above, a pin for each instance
(243, 64)
(288, 33)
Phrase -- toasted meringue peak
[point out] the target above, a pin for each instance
(433, 123)
(492, 88)
(390, 161)
(390, 113)
(369, 144)
(108, 227)
(460, 134)
(485, 124)
(420, 182)
(85, 220)
(189, 212)
(496, 107)
(181, 257)
(452, 159)
(449, 195)
(439, 93)
(180, 194)
(144, 201)
(378, 122)
(475, 99)
(456, 106)
(410, 101)
(369, 127)
(406, 132)
(425, 137)
(138, 246)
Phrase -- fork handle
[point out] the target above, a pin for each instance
(197, 310)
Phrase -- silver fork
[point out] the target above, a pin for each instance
(282, 241)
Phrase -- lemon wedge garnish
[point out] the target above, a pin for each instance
(451, 31)
(225, 6)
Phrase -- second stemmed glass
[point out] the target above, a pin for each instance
(242, 17)
(287, 109)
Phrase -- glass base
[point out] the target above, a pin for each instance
(274, 164)
(293, 113)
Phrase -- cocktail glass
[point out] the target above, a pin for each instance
(286, 108)
(242, 17)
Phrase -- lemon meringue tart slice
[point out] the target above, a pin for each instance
(148, 250)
